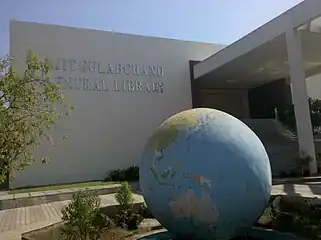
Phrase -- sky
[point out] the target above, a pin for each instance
(215, 21)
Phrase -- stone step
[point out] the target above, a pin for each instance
(269, 130)
(15, 222)
(35, 198)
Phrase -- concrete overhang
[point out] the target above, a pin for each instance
(261, 56)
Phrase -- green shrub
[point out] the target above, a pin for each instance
(113, 176)
(126, 217)
(145, 212)
(129, 219)
(294, 214)
(130, 174)
(124, 196)
(83, 219)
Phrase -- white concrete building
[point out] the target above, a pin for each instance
(124, 85)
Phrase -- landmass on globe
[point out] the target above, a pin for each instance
(201, 210)
(167, 134)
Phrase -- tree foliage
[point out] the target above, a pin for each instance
(287, 116)
(30, 104)
(124, 196)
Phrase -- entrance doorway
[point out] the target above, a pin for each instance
(231, 101)
(259, 102)
(265, 99)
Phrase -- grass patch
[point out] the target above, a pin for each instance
(59, 186)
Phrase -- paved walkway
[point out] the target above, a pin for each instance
(26, 199)
(13, 222)
(298, 189)
(305, 187)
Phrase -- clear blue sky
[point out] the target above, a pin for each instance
(217, 21)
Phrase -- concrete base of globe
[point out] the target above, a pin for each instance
(254, 234)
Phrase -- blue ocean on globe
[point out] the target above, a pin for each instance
(204, 174)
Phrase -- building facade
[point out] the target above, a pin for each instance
(123, 86)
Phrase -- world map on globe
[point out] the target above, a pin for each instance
(205, 174)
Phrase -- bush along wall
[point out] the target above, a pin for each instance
(130, 174)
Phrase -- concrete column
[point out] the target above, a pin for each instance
(300, 97)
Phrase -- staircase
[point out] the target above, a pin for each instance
(269, 130)
(281, 145)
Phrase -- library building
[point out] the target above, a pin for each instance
(123, 86)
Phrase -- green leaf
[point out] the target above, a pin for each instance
(33, 99)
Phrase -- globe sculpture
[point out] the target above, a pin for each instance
(205, 175)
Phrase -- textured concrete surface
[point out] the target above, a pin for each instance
(303, 190)
(149, 224)
(305, 186)
(280, 144)
(14, 222)
(19, 200)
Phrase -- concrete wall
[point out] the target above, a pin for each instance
(111, 121)
(232, 101)
(314, 86)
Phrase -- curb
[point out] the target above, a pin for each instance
(109, 210)
(315, 200)
(37, 198)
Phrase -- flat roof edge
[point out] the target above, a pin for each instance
(14, 21)
(292, 18)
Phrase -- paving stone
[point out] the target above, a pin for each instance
(15, 234)
(75, 189)
(13, 222)
(39, 200)
(149, 224)
(18, 217)
(34, 198)
(64, 190)
(21, 195)
(53, 192)
(96, 187)
(53, 198)
(7, 204)
(3, 193)
(23, 202)
(65, 196)
(6, 197)
(106, 191)
(37, 194)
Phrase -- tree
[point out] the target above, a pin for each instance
(30, 104)
(287, 116)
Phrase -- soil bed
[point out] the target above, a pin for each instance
(284, 218)
(292, 214)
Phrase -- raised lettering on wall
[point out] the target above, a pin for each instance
(133, 77)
